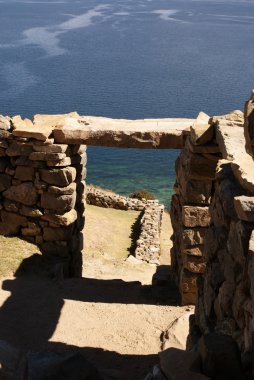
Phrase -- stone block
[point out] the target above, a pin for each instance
(68, 190)
(178, 364)
(44, 156)
(3, 144)
(64, 162)
(201, 167)
(56, 234)
(220, 357)
(244, 207)
(4, 123)
(11, 206)
(4, 162)
(194, 236)
(201, 131)
(194, 216)
(11, 223)
(249, 124)
(56, 248)
(194, 264)
(61, 220)
(188, 282)
(193, 251)
(25, 173)
(32, 212)
(2, 152)
(19, 149)
(4, 134)
(24, 193)
(58, 177)
(211, 148)
(5, 182)
(58, 203)
(31, 231)
(50, 148)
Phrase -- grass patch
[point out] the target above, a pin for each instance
(12, 252)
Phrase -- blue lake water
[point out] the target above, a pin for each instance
(126, 59)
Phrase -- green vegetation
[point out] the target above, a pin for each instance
(142, 194)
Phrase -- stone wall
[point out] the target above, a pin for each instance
(42, 193)
(148, 243)
(190, 213)
(226, 291)
(108, 199)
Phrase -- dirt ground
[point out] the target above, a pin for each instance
(113, 314)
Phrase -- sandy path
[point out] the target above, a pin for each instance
(116, 323)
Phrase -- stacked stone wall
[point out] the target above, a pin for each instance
(108, 199)
(190, 216)
(42, 194)
(148, 243)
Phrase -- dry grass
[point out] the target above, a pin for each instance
(12, 252)
(108, 231)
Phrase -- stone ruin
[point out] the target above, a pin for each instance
(42, 168)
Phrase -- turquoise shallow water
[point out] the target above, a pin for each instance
(125, 170)
(126, 59)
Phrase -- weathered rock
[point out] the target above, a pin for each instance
(194, 264)
(193, 251)
(24, 193)
(188, 282)
(2, 152)
(61, 220)
(11, 223)
(45, 156)
(164, 133)
(11, 206)
(249, 124)
(19, 149)
(68, 190)
(4, 144)
(194, 216)
(220, 357)
(181, 365)
(234, 118)
(64, 162)
(244, 207)
(50, 148)
(4, 134)
(5, 182)
(201, 131)
(4, 123)
(31, 212)
(58, 203)
(194, 236)
(4, 163)
(58, 177)
(25, 173)
(55, 234)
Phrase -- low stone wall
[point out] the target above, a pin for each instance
(148, 243)
(108, 199)
(42, 194)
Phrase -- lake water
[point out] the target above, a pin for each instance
(126, 59)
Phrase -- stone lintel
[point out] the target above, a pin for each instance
(148, 133)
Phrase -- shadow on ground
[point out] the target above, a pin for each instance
(28, 318)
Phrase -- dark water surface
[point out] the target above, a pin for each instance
(126, 58)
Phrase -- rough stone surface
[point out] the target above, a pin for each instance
(58, 203)
(201, 131)
(249, 124)
(58, 177)
(24, 193)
